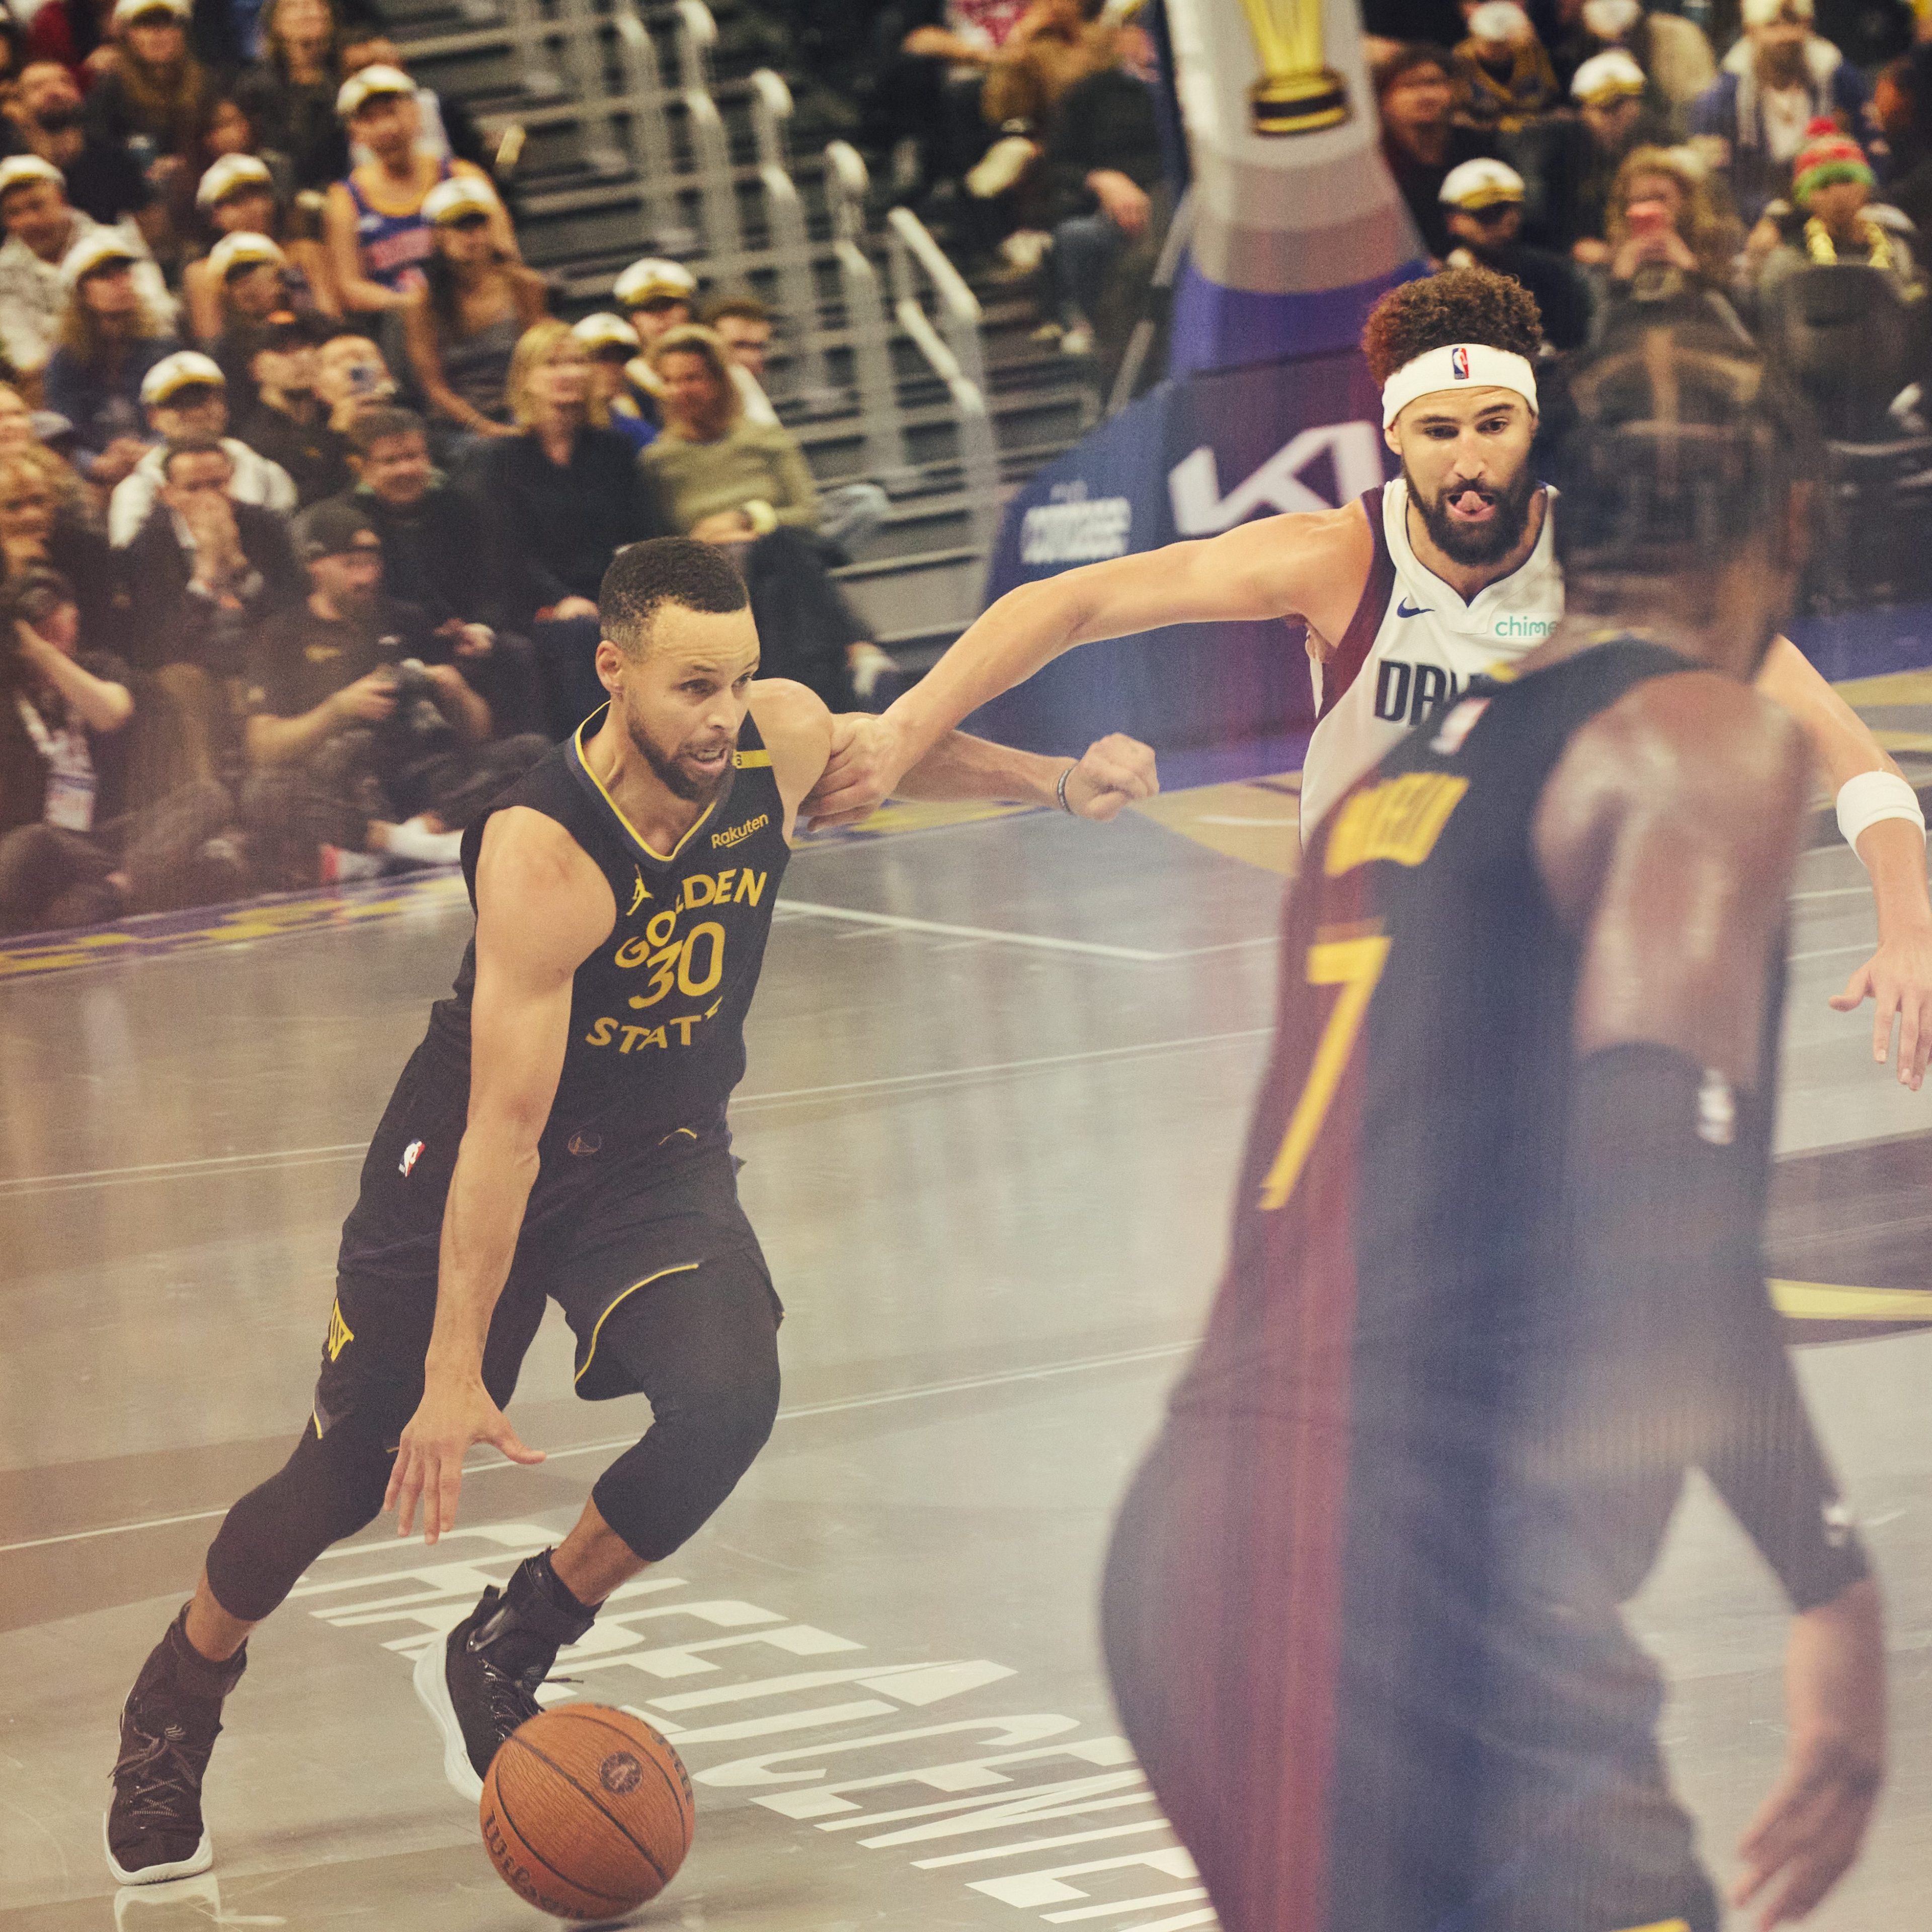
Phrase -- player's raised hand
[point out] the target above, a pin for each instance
(1116, 772)
(1898, 978)
(867, 759)
(451, 1420)
(1805, 1838)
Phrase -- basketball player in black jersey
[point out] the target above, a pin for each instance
(1496, 1285)
(560, 1133)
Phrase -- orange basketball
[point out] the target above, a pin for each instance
(586, 1812)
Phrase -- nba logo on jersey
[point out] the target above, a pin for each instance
(1459, 364)
(411, 1155)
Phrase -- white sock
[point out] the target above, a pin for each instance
(413, 839)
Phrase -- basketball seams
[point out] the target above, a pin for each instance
(570, 1778)
(495, 1792)
(680, 1794)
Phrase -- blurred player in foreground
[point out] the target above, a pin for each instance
(1496, 1285)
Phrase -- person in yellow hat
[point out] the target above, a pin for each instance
(476, 303)
(1483, 203)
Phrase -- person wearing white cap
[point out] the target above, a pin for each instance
(1673, 53)
(1502, 69)
(43, 108)
(657, 295)
(156, 99)
(41, 227)
(1447, 571)
(107, 341)
(1618, 111)
(186, 396)
(475, 305)
(1752, 120)
(378, 236)
(1484, 200)
(610, 342)
(238, 195)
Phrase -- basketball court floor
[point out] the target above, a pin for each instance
(999, 1072)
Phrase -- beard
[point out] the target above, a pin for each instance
(1477, 543)
(677, 779)
(57, 120)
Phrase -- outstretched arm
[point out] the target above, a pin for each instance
(804, 738)
(542, 908)
(1898, 977)
(1307, 565)
(1115, 771)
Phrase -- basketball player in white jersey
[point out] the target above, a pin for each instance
(1406, 594)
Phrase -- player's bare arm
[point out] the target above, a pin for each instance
(1310, 565)
(1642, 830)
(542, 907)
(1113, 773)
(804, 737)
(1897, 977)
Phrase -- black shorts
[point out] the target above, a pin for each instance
(605, 1222)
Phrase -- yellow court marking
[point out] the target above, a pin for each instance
(1903, 741)
(913, 815)
(1828, 1301)
(1896, 687)
(1662, 1925)
(1256, 821)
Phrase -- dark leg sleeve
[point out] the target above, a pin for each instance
(704, 1346)
(329, 1489)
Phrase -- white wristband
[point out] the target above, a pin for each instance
(1864, 800)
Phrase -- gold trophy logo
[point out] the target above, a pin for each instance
(1297, 93)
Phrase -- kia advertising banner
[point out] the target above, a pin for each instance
(1192, 458)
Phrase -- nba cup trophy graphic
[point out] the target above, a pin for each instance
(1291, 240)
(1297, 93)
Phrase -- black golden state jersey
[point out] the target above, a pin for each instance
(657, 1013)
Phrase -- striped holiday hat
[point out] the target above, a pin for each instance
(1828, 154)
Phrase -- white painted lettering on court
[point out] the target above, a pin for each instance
(1020, 1807)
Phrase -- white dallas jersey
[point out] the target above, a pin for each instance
(1412, 647)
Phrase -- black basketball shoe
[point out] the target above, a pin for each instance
(481, 1683)
(169, 1726)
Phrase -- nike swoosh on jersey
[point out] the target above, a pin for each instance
(1404, 608)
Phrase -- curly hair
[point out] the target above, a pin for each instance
(1712, 237)
(1458, 305)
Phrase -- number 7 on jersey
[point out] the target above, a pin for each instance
(1355, 965)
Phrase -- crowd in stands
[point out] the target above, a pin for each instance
(305, 493)
(1613, 157)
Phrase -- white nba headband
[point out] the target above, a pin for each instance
(1462, 365)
